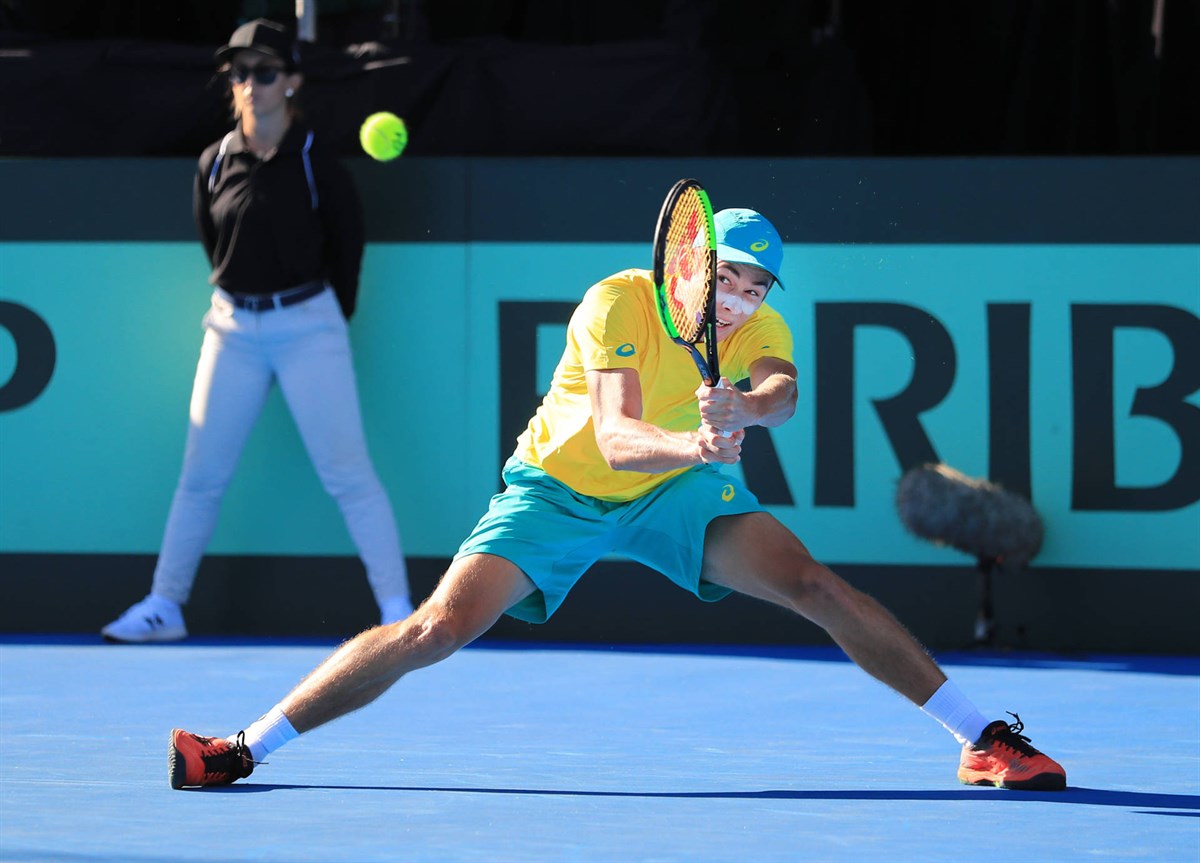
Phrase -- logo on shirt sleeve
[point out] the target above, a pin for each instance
(625, 350)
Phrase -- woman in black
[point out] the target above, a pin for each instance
(282, 226)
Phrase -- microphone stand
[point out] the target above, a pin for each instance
(985, 623)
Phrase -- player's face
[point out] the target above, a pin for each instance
(253, 95)
(741, 289)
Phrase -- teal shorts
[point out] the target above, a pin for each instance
(555, 534)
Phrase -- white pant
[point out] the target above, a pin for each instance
(306, 347)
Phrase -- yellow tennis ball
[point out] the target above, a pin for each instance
(383, 136)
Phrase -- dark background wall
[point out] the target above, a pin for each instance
(630, 77)
(1072, 610)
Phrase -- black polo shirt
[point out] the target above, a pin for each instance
(263, 230)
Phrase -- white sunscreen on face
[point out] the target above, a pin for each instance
(736, 303)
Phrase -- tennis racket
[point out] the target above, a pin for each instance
(685, 274)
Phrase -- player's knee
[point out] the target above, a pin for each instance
(813, 586)
(438, 633)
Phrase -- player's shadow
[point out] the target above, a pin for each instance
(1189, 804)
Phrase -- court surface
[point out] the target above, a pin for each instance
(511, 752)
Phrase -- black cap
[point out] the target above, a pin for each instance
(265, 37)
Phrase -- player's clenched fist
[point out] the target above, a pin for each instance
(722, 406)
(716, 448)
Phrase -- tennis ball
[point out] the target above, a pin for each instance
(383, 136)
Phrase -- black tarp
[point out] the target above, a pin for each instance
(628, 77)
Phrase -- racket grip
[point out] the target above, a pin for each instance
(723, 433)
(721, 384)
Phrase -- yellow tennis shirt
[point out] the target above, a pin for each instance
(616, 326)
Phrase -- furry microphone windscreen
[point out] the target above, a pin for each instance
(940, 504)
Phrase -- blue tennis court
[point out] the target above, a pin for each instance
(513, 752)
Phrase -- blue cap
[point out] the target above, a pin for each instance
(746, 237)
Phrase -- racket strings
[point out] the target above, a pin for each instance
(688, 273)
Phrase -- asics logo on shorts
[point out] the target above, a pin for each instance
(727, 492)
(626, 350)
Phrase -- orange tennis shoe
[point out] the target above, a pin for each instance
(195, 760)
(1003, 756)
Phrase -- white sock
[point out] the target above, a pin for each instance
(956, 713)
(268, 733)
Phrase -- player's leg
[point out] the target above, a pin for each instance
(316, 374)
(756, 555)
(471, 596)
(230, 387)
(525, 554)
(724, 540)
(534, 543)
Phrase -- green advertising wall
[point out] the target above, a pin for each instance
(1036, 322)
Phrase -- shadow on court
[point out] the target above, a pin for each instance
(1073, 795)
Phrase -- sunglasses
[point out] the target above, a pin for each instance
(262, 74)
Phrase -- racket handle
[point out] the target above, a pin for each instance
(722, 385)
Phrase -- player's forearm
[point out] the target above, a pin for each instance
(773, 402)
(629, 444)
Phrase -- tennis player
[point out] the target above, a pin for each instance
(623, 456)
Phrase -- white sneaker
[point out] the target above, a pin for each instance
(395, 610)
(152, 619)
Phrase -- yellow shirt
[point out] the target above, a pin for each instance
(616, 326)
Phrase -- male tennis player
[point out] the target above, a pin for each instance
(622, 456)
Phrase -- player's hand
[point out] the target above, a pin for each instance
(716, 448)
(723, 406)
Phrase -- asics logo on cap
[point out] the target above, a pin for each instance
(746, 237)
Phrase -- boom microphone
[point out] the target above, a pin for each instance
(946, 507)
